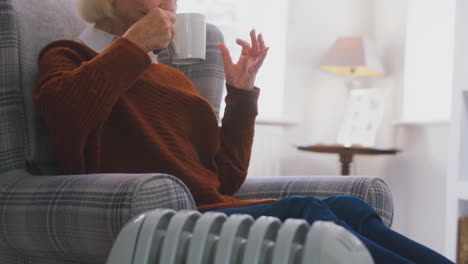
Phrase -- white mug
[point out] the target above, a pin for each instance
(189, 43)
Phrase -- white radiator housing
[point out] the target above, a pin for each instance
(189, 237)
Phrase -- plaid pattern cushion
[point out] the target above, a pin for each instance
(208, 77)
(79, 216)
(373, 190)
(15, 259)
(36, 27)
(12, 120)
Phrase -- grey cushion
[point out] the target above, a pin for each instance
(208, 77)
(79, 216)
(373, 190)
(38, 23)
(12, 121)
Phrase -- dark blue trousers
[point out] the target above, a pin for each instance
(352, 213)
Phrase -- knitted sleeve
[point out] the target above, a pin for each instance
(76, 92)
(236, 138)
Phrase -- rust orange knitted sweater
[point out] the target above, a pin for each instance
(115, 112)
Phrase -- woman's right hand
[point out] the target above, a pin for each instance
(154, 31)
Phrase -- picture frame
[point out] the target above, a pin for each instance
(363, 115)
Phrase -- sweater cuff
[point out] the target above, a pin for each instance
(241, 96)
(241, 102)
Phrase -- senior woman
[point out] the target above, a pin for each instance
(111, 107)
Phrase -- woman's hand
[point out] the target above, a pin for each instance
(242, 74)
(154, 31)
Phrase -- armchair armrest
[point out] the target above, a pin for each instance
(79, 216)
(373, 190)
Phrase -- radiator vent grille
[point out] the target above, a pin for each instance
(189, 237)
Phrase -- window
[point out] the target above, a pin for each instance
(236, 18)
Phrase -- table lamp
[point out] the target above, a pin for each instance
(352, 57)
(355, 58)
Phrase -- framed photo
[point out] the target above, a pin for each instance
(363, 115)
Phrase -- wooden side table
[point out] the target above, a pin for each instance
(346, 153)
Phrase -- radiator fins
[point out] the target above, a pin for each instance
(189, 237)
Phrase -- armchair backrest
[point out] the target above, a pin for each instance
(27, 26)
(208, 76)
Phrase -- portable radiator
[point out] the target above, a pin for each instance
(189, 237)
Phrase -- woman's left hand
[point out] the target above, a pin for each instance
(242, 74)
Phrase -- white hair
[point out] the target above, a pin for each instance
(94, 10)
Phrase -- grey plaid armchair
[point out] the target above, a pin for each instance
(46, 217)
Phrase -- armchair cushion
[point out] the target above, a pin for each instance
(79, 216)
(373, 190)
(29, 30)
(207, 77)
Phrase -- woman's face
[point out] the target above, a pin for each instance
(132, 10)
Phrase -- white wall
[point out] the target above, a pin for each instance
(312, 96)
(417, 180)
(417, 175)
(317, 98)
(429, 60)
